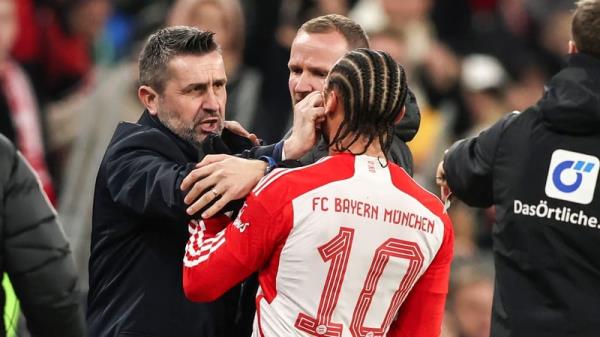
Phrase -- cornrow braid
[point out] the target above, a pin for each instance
(374, 90)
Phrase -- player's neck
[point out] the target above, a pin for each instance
(373, 150)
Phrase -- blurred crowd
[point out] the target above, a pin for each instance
(68, 76)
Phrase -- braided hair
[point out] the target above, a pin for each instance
(373, 87)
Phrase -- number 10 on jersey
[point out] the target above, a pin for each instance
(337, 252)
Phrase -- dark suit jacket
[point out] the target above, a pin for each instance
(139, 232)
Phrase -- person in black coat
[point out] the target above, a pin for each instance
(139, 222)
(539, 168)
(35, 252)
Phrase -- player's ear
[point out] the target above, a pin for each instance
(400, 115)
(331, 100)
(573, 47)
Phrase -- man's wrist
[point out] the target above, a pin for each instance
(293, 149)
(277, 152)
(270, 164)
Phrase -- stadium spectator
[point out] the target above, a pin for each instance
(226, 20)
(19, 115)
(470, 296)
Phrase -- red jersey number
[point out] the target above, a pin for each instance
(337, 250)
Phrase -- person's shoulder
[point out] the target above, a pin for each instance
(512, 124)
(7, 148)
(516, 116)
(133, 136)
(7, 158)
(132, 140)
(135, 133)
(289, 183)
(281, 177)
(408, 185)
(428, 200)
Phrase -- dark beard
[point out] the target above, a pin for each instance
(187, 134)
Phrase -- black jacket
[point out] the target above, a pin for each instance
(139, 232)
(35, 253)
(539, 168)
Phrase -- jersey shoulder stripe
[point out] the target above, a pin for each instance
(280, 172)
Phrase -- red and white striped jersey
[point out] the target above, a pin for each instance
(344, 247)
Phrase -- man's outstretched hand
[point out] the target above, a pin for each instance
(224, 176)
